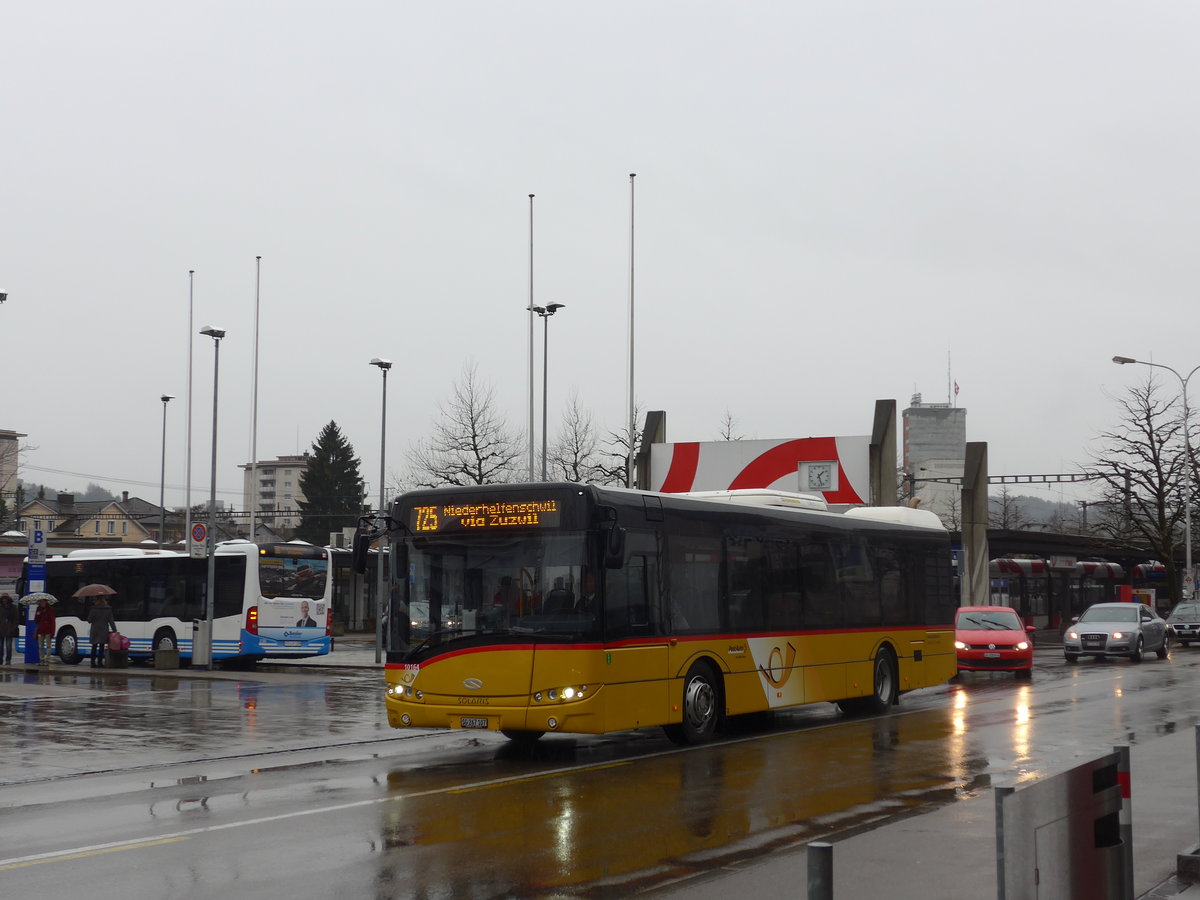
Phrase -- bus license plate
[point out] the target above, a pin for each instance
(291, 643)
(991, 656)
(469, 722)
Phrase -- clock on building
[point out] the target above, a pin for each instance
(818, 476)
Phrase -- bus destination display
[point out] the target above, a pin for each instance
(495, 515)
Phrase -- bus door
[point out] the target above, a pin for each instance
(635, 665)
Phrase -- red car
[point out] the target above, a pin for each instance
(993, 639)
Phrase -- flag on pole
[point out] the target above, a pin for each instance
(956, 389)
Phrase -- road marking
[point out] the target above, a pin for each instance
(84, 852)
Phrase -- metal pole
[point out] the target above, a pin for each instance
(380, 595)
(254, 409)
(162, 479)
(187, 498)
(632, 413)
(531, 313)
(211, 602)
(1001, 793)
(820, 870)
(1126, 818)
(1198, 771)
(545, 370)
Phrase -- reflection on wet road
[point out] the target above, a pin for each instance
(344, 805)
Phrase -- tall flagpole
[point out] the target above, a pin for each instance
(254, 408)
(531, 478)
(632, 412)
(187, 533)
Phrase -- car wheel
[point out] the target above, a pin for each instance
(1071, 658)
(1165, 649)
(1136, 654)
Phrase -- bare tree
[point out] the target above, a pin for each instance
(1142, 466)
(615, 463)
(728, 430)
(472, 442)
(1005, 512)
(952, 518)
(573, 456)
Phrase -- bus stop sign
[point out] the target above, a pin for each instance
(198, 540)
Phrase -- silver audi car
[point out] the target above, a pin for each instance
(1116, 629)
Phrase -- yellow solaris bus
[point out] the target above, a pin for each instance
(568, 608)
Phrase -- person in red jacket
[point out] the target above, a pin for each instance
(45, 626)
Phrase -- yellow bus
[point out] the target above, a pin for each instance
(567, 608)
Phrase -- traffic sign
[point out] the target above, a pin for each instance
(198, 540)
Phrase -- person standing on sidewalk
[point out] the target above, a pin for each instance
(100, 625)
(45, 624)
(10, 626)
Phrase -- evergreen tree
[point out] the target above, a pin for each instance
(333, 487)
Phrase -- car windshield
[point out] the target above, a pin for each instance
(1186, 609)
(1110, 614)
(991, 620)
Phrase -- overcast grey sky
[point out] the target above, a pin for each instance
(831, 197)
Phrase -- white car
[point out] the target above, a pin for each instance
(1116, 629)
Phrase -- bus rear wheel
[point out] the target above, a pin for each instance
(67, 647)
(701, 706)
(884, 687)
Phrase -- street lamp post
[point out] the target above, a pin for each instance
(162, 481)
(203, 660)
(384, 365)
(545, 312)
(1189, 480)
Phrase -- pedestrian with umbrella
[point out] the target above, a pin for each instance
(101, 622)
(10, 627)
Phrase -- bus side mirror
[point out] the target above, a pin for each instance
(358, 556)
(614, 547)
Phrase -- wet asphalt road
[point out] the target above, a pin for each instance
(285, 783)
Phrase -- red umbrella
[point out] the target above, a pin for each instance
(94, 590)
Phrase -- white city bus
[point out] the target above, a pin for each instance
(272, 600)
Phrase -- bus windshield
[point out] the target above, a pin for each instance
(536, 584)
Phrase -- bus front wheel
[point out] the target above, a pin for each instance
(164, 639)
(67, 647)
(701, 706)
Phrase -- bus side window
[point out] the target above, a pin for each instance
(626, 603)
(746, 573)
(784, 608)
(817, 583)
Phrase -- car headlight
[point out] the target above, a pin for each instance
(959, 645)
(1117, 635)
(1024, 645)
(1073, 635)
